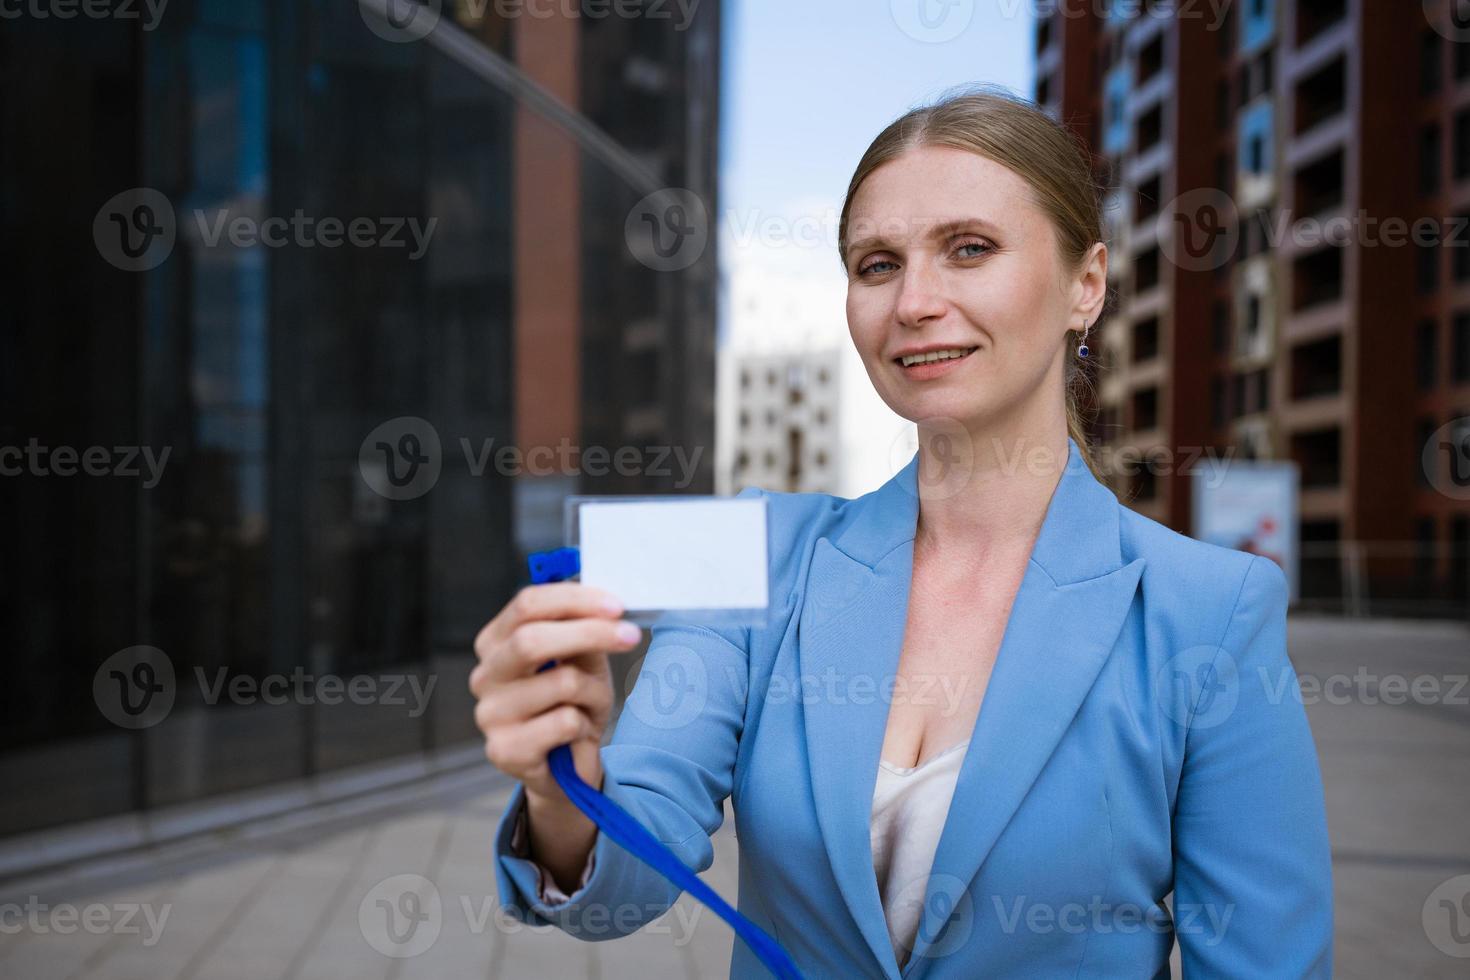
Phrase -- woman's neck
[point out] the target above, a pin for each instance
(985, 491)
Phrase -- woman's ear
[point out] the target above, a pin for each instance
(1092, 284)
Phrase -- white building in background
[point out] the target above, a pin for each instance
(782, 305)
(786, 434)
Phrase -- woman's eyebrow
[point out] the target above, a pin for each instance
(949, 228)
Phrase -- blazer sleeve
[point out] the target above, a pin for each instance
(1252, 860)
(670, 763)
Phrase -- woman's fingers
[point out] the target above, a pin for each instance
(552, 600)
(534, 643)
(527, 697)
(521, 749)
(523, 713)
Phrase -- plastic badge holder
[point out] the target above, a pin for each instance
(700, 557)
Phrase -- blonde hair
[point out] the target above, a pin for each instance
(1018, 135)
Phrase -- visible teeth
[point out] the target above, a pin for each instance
(937, 355)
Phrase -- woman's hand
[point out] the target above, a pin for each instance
(523, 714)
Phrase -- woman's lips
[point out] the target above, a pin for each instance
(934, 369)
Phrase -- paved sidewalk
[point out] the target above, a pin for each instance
(302, 904)
(302, 901)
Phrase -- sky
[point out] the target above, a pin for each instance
(806, 86)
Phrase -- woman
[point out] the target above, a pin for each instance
(996, 718)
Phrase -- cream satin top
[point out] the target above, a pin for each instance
(909, 809)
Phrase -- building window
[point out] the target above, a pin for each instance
(1319, 185)
(1319, 455)
(1426, 362)
(1428, 259)
(1321, 96)
(1460, 554)
(1460, 250)
(1146, 204)
(1425, 535)
(1426, 428)
(1429, 165)
(1251, 392)
(1462, 144)
(1315, 16)
(1151, 59)
(1316, 368)
(1257, 237)
(1318, 277)
(1146, 339)
(1430, 70)
(1145, 409)
(1150, 129)
(1460, 350)
(1221, 324)
(1146, 271)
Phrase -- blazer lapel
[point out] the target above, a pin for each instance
(1067, 613)
(850, 636)
(1071, 605)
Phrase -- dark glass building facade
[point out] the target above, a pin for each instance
(247, 249)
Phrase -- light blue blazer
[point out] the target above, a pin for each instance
(1141, 734)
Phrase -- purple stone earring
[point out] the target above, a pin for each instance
(1082, 348)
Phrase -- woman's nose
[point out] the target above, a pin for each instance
(920, 295)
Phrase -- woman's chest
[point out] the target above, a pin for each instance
(951, 640)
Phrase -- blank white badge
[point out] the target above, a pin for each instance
(690, 554)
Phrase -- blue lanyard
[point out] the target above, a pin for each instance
(628, 833)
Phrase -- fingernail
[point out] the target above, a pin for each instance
(628, 632)
(612, 605)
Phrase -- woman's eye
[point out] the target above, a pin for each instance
(980, 249)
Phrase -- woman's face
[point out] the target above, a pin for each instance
(949, 251)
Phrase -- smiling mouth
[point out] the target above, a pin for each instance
(935, 357)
